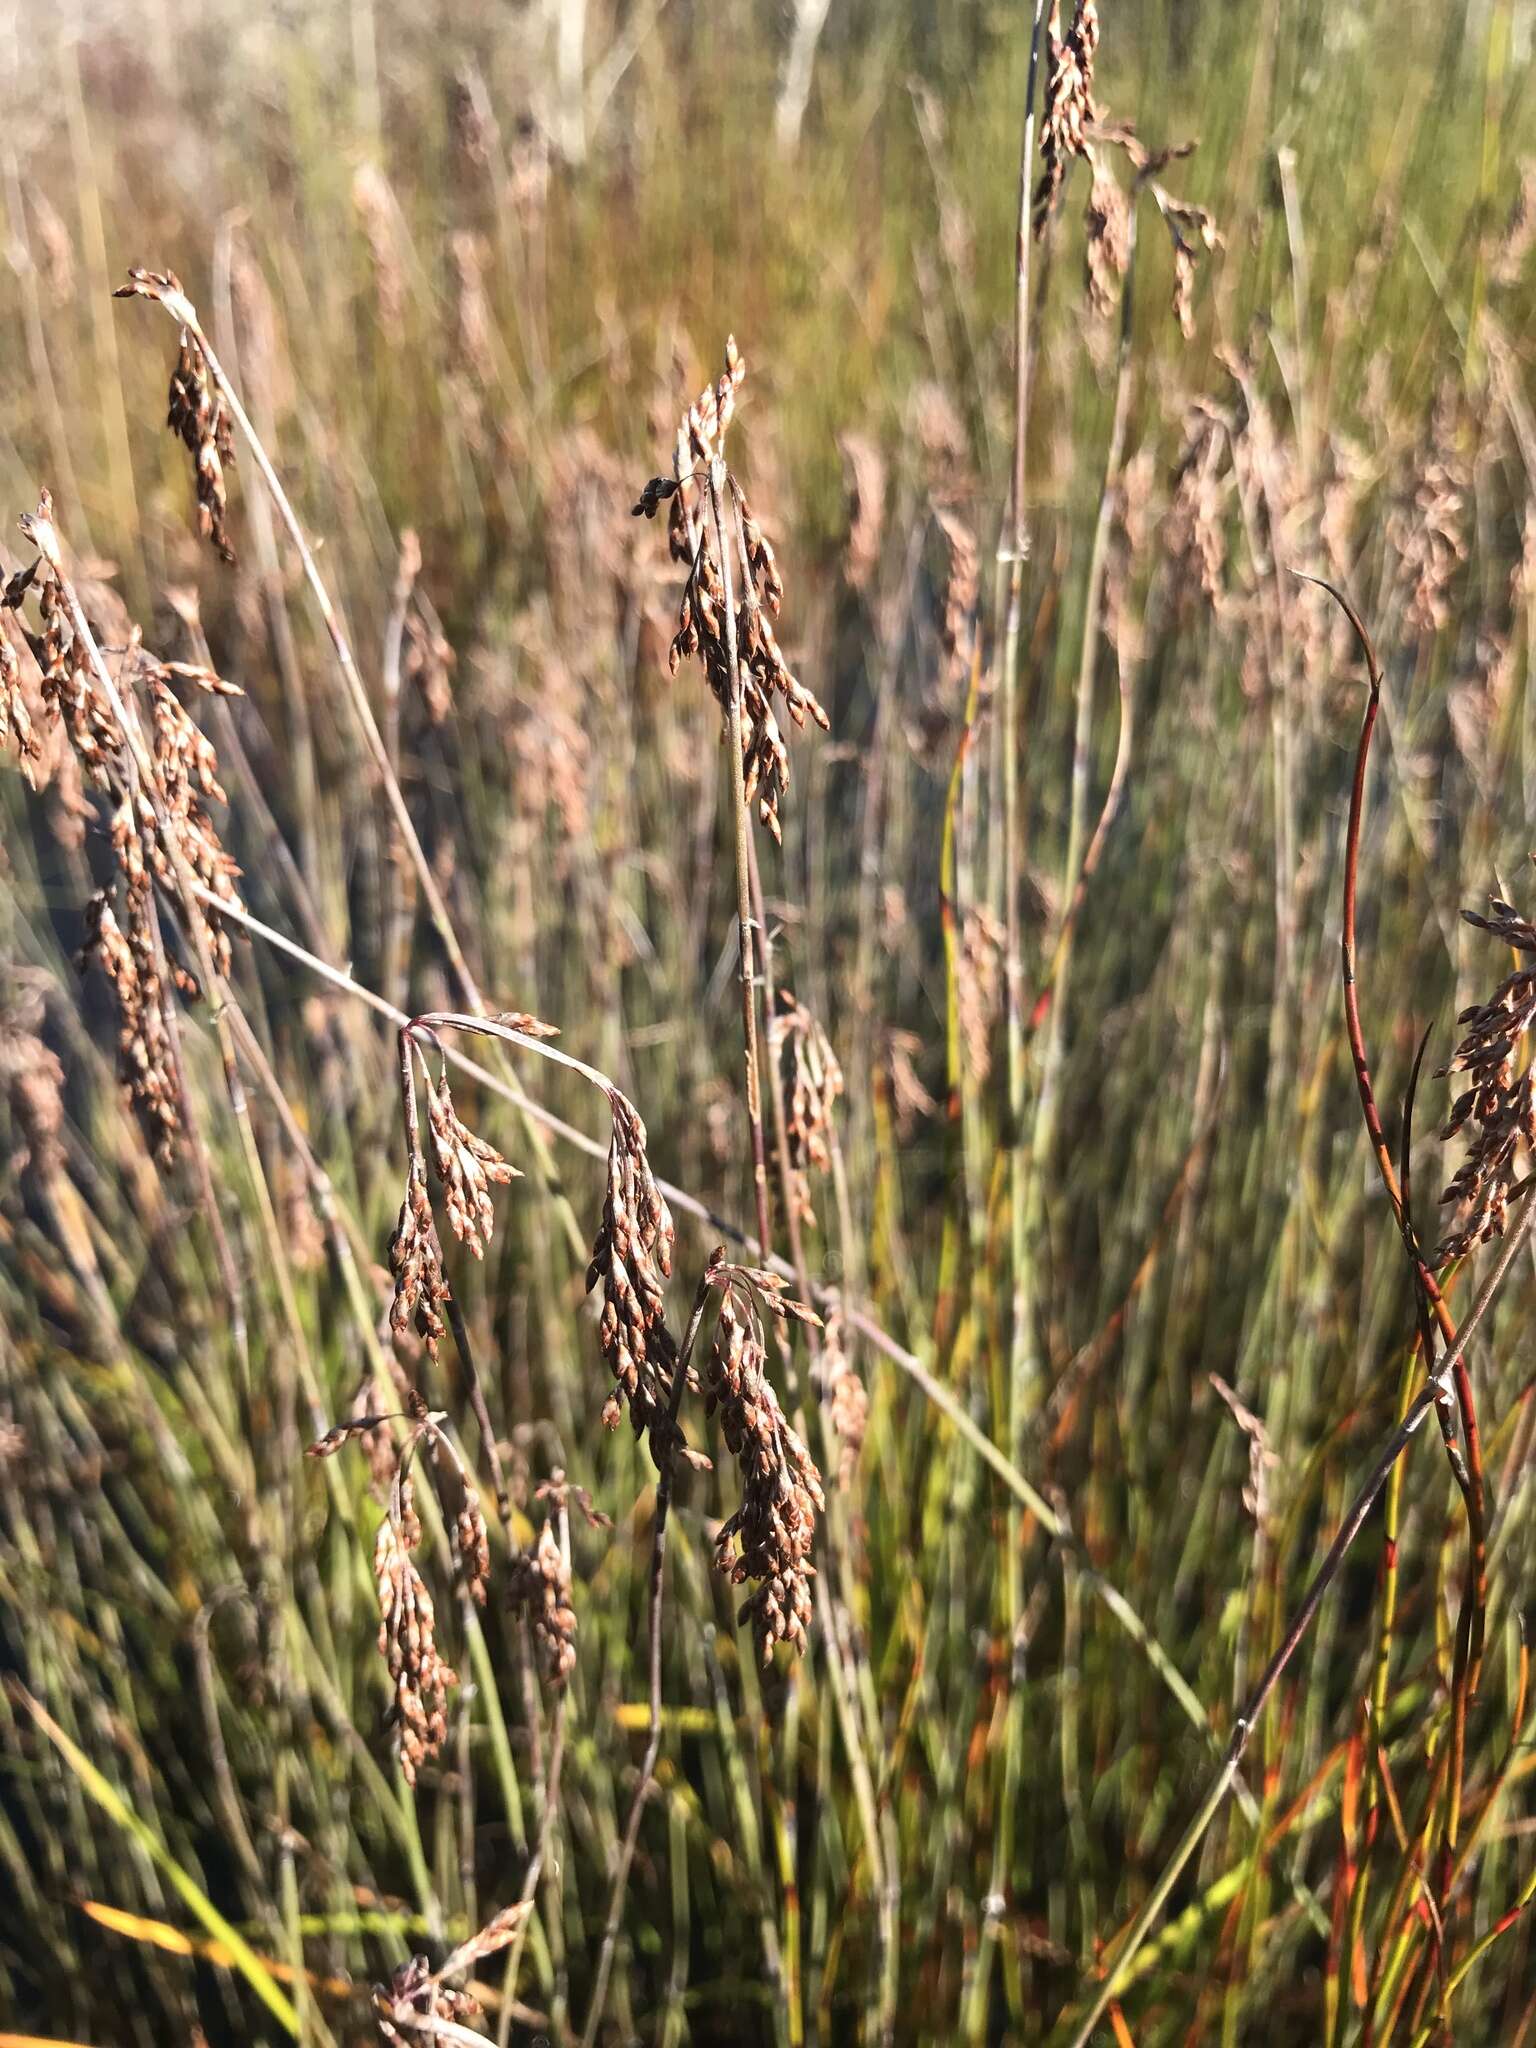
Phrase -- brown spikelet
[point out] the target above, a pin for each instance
(541, 1585)
(1069, 104)
(1501, 1102)
(467, 1167)
(631, 1262)
(1108, 239)
(17, 729)
(774, 1528)
(197, 412)
(764, 675)
(416, 1261)
(408, 1637)
(812, 1081)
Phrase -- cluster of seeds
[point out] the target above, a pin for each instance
(408, 1636)
(631, 1262)
(1501, 1101)
(159, 828)
(540, 1584)
(1069, 102)
(196, 411)
(186, 775)
(775, 1526)
(418, 2000)
(733, 591)
(408, 1620)
(466, 1167)
(813, 1081)
(416, 1262)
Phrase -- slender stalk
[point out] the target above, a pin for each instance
(742, 826)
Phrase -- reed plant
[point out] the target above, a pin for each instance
(1062, 1577)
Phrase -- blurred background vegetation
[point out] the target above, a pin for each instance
(467, 264)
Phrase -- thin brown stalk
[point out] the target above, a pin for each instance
(742, 830)
(1468, 1474)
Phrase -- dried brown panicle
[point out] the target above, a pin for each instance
(757, 590)
(129, 956)
(812, 1081)
(416, 1261)
(197, 412)
(1069, 103)
(540, 1583)
(408, 1636)
(781, 1496)
(1196, 528)
(187, 772)
(418, 1993)
(151, 828)
(70, 690)
(471, 1544)
(16, 723)
(631, 1261)
(466, 1166)
(1428, 528)
(1500, 1101)
(1107, 248)
(1191, 230)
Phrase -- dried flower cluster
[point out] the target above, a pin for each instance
(631, 1261)
(466, 1166)
(1191, 230)
(197, 412)
(1074, 124)
(1428, 530)
(408, 1636)
(186, 774)
(1069, 102)
(1501, 1101)
(1107, 249)
(781, 1495)
(408, 1619)
(417, 1993)
(701, 486)
(1196, 524)
(416, 1262)
(158, 831)
(540, 1584)
(69, 692)
(812, 1081)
